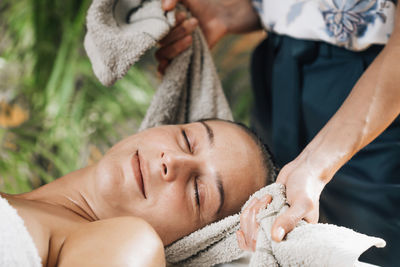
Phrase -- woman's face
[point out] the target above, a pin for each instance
(179, 177)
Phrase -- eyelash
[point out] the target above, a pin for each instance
(196, 189)
(187, 141)
(196, 192)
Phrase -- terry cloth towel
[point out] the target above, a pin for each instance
(119, 32)
(307, 245)
(16, 244)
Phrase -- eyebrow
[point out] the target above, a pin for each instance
(210, 132)
(221, 193)
(218, 180)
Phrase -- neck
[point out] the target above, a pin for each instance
(73, 192)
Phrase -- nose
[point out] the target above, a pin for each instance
(177, 166)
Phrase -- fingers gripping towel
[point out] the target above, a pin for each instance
(121, 31)
(307, 245)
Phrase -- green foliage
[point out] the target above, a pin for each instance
(232, 56)
(71, 113)
(73, 119)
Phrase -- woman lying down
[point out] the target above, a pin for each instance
(148, 191)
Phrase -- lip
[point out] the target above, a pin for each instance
(135, 161)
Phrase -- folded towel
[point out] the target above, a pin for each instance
(307, 245)
(16, 244)
(121, 31)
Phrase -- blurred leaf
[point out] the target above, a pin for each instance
(45, 68)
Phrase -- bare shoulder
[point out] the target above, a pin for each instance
(122, 241)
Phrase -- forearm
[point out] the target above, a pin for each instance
(369, 109)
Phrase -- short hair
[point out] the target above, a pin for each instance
(267, 158)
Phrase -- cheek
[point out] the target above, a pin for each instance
(112, 188)
(170, 216)
(108, 175)
(171, 205)
(158, 139)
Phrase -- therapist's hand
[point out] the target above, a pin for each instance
(216, 18)
(206, 13)
(211, 15)
(304, 184)
(178, 40)
(247, 235)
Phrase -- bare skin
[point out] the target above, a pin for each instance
(64, 238)
(149, 190)
(375, 98)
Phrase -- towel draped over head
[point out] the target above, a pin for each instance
(119, 33)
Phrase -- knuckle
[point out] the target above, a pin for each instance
(190, 25)
(185, 28)
(180, 16)
(292, 220)
(180, 31)
(288, 221)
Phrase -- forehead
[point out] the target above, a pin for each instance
(236, 157)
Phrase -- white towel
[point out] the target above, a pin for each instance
(16, 245)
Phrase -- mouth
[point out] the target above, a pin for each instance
(137, 171)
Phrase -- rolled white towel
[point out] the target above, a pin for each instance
(16, 245)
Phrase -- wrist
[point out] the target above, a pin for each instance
(320, 163)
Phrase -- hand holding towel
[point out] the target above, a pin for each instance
(307, 245)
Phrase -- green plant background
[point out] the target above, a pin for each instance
(73, 119)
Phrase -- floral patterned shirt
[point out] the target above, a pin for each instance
(353, 24)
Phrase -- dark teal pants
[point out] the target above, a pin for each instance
(298, 86)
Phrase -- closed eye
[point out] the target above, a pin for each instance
(196, 192)
(187, 141)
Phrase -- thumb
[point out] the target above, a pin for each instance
(287, 221)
